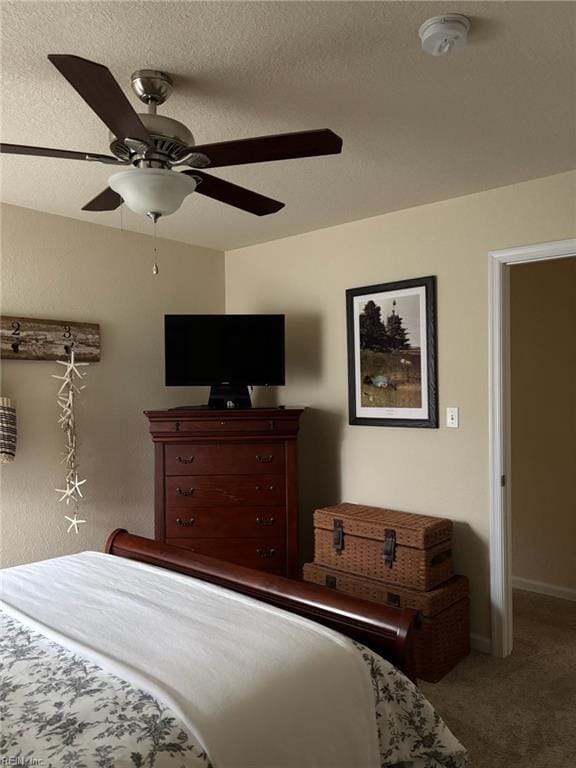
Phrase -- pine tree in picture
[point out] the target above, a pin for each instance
(396, 333)
(372, 331)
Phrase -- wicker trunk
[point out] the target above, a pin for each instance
(401, 548)
(443, 638)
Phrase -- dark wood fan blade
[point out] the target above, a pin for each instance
(263, 149)
(97, 86)
(239, 197)
(108, 200)
(65, 154)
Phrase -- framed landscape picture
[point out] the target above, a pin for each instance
(392, 354)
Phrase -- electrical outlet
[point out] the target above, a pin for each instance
(452, 417)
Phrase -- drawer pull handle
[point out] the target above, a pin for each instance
(264, 459)
(185, 523)
(182, 492)
(186, 459)
(271, 487)
(272, 425)
(266, 554)
(262, 521)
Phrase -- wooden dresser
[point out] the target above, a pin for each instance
(226, 484)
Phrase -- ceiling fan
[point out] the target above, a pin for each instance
(153, 146)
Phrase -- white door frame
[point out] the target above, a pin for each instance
(499, 430)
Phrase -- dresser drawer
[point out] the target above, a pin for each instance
(222, 426)
(187, 492)
(217, 522)
(225, 459)
(264, 554)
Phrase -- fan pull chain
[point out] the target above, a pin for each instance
(155, 267)
(122, 218)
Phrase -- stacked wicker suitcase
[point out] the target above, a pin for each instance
(400, 559)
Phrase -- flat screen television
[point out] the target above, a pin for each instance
(228, 353)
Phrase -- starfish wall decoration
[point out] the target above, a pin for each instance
(65, 398)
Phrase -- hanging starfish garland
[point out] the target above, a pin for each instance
(65, 398)
(74, 522)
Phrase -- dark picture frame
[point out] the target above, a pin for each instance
(392, 354)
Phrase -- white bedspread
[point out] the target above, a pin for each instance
(226, 664)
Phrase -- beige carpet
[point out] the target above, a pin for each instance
(518, 712)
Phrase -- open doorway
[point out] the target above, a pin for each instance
(502, 456)
(543, 426)
(542, 469)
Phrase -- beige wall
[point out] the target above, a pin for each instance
(543, 395)
(54, 267)
(441, 472)
(59, 268)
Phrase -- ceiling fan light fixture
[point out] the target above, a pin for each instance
(152, 190)
(153, 144)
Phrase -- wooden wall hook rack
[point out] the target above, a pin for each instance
(29, 338)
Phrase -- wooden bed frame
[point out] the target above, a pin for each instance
(387, 631)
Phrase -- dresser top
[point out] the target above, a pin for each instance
(251, 422)
(202, 412)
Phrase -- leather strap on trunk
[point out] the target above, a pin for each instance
(338, 536)
(389, 549)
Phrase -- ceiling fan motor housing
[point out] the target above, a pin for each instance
(172, 141)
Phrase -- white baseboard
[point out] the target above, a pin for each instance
(529, 585)
(480, 643)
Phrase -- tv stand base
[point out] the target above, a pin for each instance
(229, 396)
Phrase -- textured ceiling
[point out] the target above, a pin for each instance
(416, 129)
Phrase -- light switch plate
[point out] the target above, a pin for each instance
(452, 417)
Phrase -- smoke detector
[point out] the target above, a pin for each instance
(442, 33)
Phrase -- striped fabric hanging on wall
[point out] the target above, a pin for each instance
(7, 430)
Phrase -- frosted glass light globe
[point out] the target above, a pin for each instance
(152, 190)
